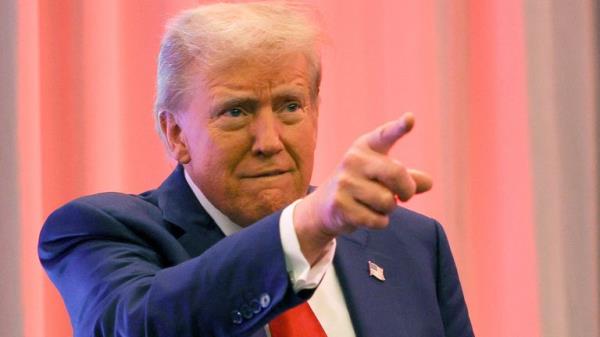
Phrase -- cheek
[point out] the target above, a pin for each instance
(304, 147)
(215, 157)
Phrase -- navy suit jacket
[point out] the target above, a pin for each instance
(156, 264)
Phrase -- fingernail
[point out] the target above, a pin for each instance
(408, 121)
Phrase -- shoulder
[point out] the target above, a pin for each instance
(115, 215)
(113, 201)
(111, 205)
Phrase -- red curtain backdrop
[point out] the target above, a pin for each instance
(86, 80)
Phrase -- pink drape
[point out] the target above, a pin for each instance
(86, 80)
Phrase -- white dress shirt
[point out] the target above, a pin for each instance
(328, 301)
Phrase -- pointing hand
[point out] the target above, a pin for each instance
(361, 192)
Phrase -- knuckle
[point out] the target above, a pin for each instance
(344, 181)
(407, 192)
(387, 196)
(388, 201)
(352, 158)
(399, 170)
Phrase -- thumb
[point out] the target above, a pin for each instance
(421, 179)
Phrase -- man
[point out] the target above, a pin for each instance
(231, 244)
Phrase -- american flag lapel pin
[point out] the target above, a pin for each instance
(376, 271)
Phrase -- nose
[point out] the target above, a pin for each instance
(266, 131)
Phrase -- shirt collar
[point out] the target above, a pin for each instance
(223, 222)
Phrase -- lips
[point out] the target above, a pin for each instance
(265, 173)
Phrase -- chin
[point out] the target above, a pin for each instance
(262, 204)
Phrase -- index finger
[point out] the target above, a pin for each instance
(384, 137)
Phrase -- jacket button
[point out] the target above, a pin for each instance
(247, 311)
(255, 306)
(265, 300)
(236, 317)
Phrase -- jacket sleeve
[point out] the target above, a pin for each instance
(119, 279)
(449, 292)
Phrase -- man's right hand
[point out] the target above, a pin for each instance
(361, 192)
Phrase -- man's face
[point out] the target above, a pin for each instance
(250, 132)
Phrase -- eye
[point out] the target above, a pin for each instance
(291, 107)
(233, 112)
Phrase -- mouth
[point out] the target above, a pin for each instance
(265, 174)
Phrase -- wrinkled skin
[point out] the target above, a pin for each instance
(248, 138)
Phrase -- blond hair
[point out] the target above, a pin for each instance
(207, 38)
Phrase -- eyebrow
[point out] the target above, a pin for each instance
(247, 99)
(243, 101)
(289, 93)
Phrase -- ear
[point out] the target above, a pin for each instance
(173, 137)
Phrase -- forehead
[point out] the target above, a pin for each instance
(285, 73)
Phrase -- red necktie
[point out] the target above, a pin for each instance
(299, 321)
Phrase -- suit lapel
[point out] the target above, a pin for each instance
(373, 304)
(180, 207)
